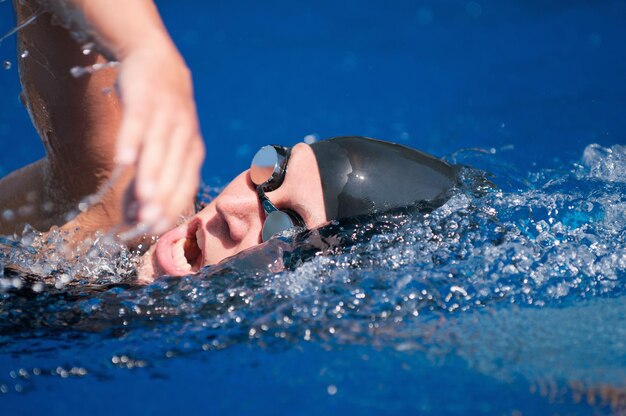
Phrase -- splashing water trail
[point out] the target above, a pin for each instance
(79, 71)
(21, 25)
(523, 284)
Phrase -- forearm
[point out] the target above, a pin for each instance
(118, 33)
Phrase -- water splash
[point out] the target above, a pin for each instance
(22, 25)
(522, 283)
(41, 260)
(79, 71)
(608, 164)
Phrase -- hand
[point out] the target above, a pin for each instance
(159, 136)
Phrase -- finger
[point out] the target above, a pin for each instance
(172, 167)
(183, 195)
(153, 151)
(134, 123)
(182, 156)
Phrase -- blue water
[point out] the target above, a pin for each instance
(513, 301)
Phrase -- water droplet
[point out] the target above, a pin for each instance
(332, 389)
(88, 48)
(78, 71)
(8, 215)
(25, 54)
(7, 65)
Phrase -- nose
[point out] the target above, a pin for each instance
(242, 213)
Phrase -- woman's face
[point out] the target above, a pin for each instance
(233, 221)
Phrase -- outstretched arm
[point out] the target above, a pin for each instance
(151, 129)
(159, 133)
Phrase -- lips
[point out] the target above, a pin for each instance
(179, 251)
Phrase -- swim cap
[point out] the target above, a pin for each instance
(363, 176)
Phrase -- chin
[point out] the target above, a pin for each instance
(147, 269)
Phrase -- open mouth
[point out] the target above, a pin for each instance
(180, 250)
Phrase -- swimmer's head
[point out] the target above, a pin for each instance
(363, 176)
(311, 184)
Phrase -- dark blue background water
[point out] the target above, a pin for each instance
(539, 79)
(544, 76)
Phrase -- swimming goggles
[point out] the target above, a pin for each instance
(267, 172)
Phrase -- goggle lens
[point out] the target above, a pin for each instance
(267, 172)
(265, 164)
(277, 222)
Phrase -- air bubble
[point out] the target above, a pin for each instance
(7, 65)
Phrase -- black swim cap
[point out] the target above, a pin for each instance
(363, 176)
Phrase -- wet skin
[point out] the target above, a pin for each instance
(233, 221)
(87, 128)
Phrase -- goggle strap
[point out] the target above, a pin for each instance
(265, 201)
(278, 176)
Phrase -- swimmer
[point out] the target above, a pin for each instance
(302, 187)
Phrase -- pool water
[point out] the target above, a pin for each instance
(507, 302)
